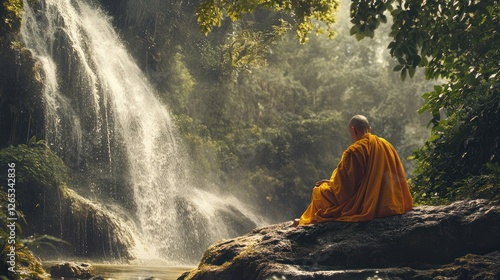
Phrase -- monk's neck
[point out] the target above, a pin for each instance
(363, 136)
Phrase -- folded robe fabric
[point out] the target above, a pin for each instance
(369, 182)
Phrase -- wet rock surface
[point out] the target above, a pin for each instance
(458, 241)
(72, 270)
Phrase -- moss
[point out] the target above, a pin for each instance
(26, 265)
(35, 162)
(21, 106)
(41, 186)
(11, 13)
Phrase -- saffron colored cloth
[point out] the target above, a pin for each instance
(368, 183)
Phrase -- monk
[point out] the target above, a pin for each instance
(369, 182)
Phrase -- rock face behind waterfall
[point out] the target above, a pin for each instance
(459, 241)
(90, 229)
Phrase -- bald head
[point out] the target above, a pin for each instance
(359, 126)
(360, 123)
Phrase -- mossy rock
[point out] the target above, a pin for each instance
(28, 267)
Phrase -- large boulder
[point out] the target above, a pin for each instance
(460, 241)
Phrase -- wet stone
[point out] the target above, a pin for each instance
(72, 270)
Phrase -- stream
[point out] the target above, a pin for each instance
(133, 272)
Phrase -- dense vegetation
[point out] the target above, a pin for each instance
(34, 164)
(264, 114)
(456, 41)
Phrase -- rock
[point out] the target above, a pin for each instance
(72, 270)
(27, 265)
(472, 267)
(427, 243)
(92, 230)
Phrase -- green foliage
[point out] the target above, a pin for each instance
(179, 82)
(247, 48)
(278, 165)
(35, 162)
(303, 14)
(27, 267)
(285, 124)
(456, 41)
(367, 16)
(460, 159)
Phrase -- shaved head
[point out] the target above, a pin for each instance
(360, 123)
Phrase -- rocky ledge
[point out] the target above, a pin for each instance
(458, 241)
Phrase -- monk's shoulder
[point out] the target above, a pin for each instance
(383, 141)
(360, 147)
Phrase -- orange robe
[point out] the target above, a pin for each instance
(369, 182)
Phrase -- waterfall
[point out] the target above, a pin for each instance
(104, 119)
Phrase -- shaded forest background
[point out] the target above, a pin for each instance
(266, 117)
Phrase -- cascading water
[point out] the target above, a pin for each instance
(104, 120)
